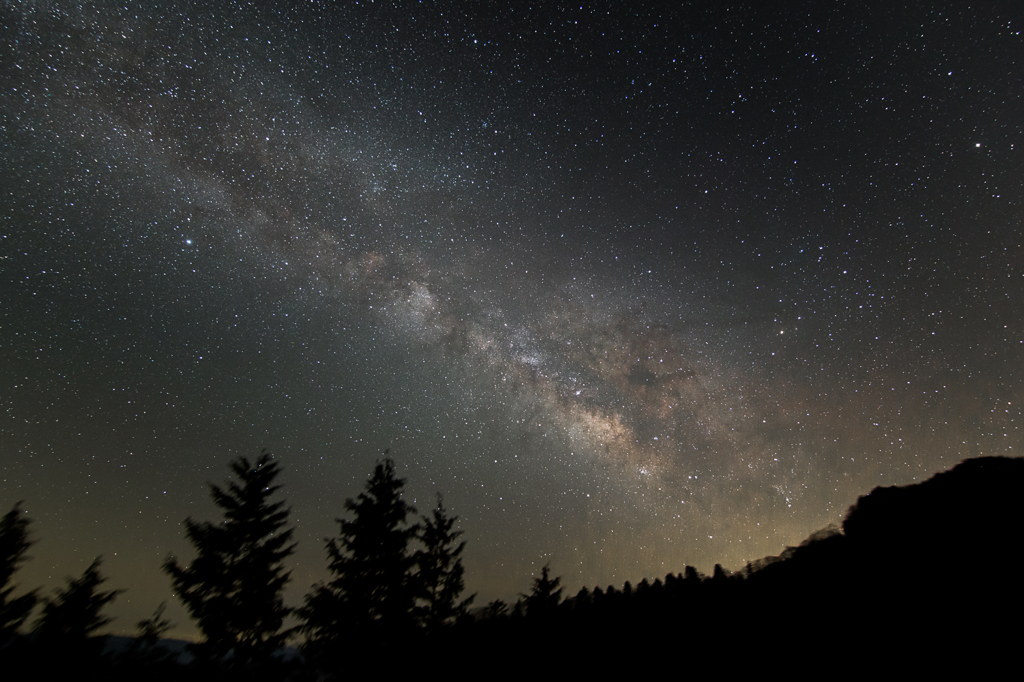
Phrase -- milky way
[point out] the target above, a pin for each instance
(632, 289)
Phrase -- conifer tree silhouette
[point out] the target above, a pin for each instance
(372, 592)
(14, 542)
(69, 622)
(440, 570)
(545, 595)
(233, 588)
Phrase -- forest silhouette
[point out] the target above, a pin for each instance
(918, 577)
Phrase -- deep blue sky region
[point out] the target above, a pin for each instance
(634, 286)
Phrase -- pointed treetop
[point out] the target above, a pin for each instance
(440, 569)
(234, 587)
(372, 588)
(545, 595)
(74, 614)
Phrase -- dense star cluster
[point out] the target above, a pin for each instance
(633, 287)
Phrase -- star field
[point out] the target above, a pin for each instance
(633, 288)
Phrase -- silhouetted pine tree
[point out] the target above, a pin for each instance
(371, 596)
(233, 588)
(68, 623)
(440, 570)
(14, 542)
(545, 595)
(582, 602)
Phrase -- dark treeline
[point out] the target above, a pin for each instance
(923, 576)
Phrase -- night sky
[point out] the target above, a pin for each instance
(633, 288)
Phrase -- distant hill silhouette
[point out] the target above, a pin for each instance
(970, 515)
(117, 646)
(928, 570)
(969, 512)
(920, 577)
